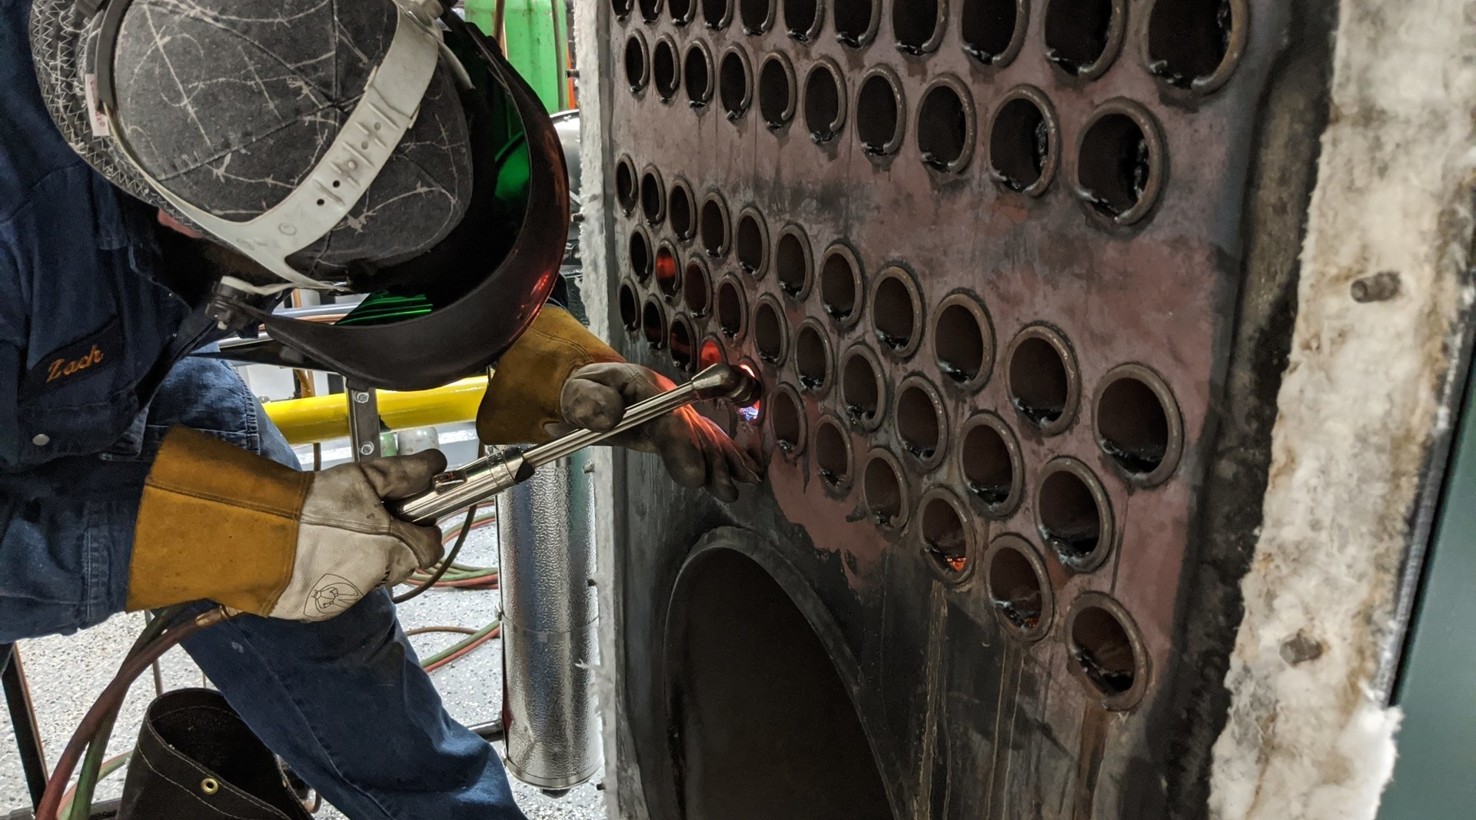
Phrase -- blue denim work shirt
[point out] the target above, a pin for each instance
(86, 334)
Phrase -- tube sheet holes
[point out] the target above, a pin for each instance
(650, 10)
(732, 308)
(1073, 515)
(1019, 589)
(787, 420)
(757, 15)
(681, 11)
(776, 91)
(752, 243)
(793, 264)
(862, 388)
(963, 341)
(717, 14)
(879, 120)
(664, 69)
(697, 74)
(681, 207)
(884, 490)
(1043, 383)
(812, 358)
(697, 287)
(630, 307)
(627, 192)
(1119, 163)
(713, 226)
(1138, 424)
(668, 272)
(1106, 651)
(922, 426)
(993, 30)
(1082, 36)
(735, 85)
(855, 21)
(1194, 44)
(825, 99)
(802, 19)
(653, 324)
(637, 63)
(653, 196)
(683, 346)
(621, 8)
(989, 457)
(945, 126)
(1022, 143)
(946, 536)
(918, 24)
(833, 454)
(840, 285)
(642, 262)
(769, 330)
(896, 312)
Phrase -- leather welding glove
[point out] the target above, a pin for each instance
(222, 524)
(559, 377)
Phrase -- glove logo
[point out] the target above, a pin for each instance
(331, 595)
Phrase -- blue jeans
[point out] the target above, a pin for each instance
(344, 701)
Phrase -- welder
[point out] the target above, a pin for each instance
(168, 170)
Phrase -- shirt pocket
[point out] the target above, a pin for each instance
(77, 398)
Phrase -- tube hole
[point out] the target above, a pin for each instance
(653, 196)
(680, 206)
(697, 74)
(833, 454)
(681, 11)
(668, 272)
(855, 21)
(711, 352)
(697, 287)
(990, 460)
(626, 187)
(751, 242)
(840, 284)
(862, 388)
(630, 308)
(1105, 650)
(650, 10)
(734, 84)
(732, 308)
(945, 128)
(917, 24)
(1190, 41)
(824, 98)
(1138, 424)
(622, 8)
(963, 342)
(884, 490)
(1022, 145)
(769, 331)
(642, 263)
(637, 63)
(787, 421)
(1019, 590)
(717, 14)
(1072, 515)
(921, 426)
(945, 536)
(992, 30)
(896, 309)
(793, 264)
(683, 353)
(812, 358)
(802, 19)
(1080, 35)
(1119, 163)
(1043, 385)
(776, 91)
(653, 324)
(879, 114)
(713, 225)
(757, 15)
(664, 69)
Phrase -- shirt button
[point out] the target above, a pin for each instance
(41, 440)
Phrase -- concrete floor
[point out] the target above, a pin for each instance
(66, 674)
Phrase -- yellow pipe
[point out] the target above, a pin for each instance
(321, 418)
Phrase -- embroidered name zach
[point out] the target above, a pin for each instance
(61, 368)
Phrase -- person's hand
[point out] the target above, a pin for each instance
(696, 452)
(219, 523)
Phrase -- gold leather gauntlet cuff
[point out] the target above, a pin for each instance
(216, 522)
(523, 395)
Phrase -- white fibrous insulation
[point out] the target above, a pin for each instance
(1359, 415)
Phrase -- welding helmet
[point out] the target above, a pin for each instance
(383, 147)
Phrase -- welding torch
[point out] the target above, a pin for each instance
(486, 477)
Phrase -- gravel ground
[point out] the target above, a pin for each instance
(66, 674)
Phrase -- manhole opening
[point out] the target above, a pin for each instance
(733, 84)
(641, 261)
(668, 272)
(653, 324)
(915, 24)
(854, 21)
(878, 115)
(1189, 39)
(961, 344)
(1020, 145)
(1070, 520)
(943, 128)
(840, 286)
(861, 388)
(776, 92)
(730, 308)
(944, 534)
(812, 359)
(894, 313)
(679, 208)
(713, 226)
(792, 263)
(697, 74)
(881, 484)
(637, 70)
(1039, 381)
(989, 466)
(919, 422)
(768, 332)
(630, 310)
(1104, 652)
(787, 419)
(664, 69)
(988, 28)
(682, 351)
(1133, 426)
(1116, 164)
(756, 15)
(1077, 33)
(833, 454)
(653, 197)
(823, 96)
(626, 187)
(1016, 590)
(749, 243)
(697, 288)
(802, 19)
